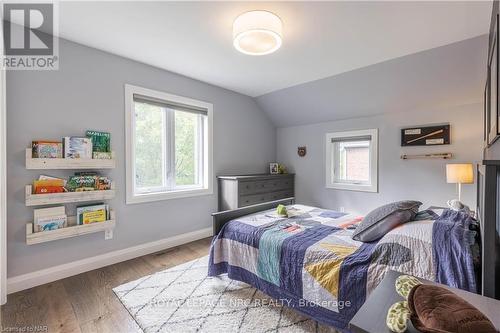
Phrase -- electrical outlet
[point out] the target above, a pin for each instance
(108, 234)
(342, 209)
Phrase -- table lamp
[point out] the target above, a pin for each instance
(460, 174)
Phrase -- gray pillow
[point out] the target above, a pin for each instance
(383, 219)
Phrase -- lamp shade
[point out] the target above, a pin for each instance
(257, 32)
(460, 173)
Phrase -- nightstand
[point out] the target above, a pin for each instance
(371, 316)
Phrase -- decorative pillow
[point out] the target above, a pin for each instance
(436, 309)
(383, 219)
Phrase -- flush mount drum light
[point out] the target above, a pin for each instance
(257, 32)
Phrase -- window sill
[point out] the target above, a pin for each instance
(151, 197)
(353, 187)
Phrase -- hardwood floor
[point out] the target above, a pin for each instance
(86, 302)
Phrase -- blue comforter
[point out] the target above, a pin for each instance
(312, 263)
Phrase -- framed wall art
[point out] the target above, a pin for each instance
(426, 135)
(492, 121)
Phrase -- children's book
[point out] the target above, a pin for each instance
(101, 141)
(46, 149)
(49, 218)
(82, 210)
(77, 147)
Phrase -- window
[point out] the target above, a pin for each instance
(352, 160)
(169, 140)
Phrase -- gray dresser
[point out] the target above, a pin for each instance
(247, 190)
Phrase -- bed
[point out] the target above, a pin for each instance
(311, 263)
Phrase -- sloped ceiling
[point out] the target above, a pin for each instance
(445, 76)
(321, 39)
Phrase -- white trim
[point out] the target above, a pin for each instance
(3, 187)
(329, 183)
(33, 279)
(207, 189)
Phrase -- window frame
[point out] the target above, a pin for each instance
(330, 161)
(132, 197)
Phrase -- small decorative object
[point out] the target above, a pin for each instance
(273, 168)
(426, 136)
(46, 149)
(459, 174)
(282, 169)
(281, 210)
(77, 147)
(302, 151)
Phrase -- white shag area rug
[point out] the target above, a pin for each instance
(184, 299)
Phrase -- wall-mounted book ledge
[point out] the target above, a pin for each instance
(444, 156)
(66, 197)
(72, 230)
(67, 163)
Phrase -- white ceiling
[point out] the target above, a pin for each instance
(321, 39)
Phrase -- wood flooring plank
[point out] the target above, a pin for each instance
(86, 302)
(60, 316)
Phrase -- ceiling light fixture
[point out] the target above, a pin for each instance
(257, 32)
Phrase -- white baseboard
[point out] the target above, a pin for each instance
(33, 279)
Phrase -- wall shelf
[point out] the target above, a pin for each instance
(66, 197)
(444, 156)
(72, 230)
(67, 163)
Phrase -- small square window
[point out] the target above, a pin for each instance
(351, 162)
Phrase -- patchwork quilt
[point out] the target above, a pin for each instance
(311, 263)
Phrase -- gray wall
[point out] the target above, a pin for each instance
(87, 92)
(422, 180)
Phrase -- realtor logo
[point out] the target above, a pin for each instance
(28, 32)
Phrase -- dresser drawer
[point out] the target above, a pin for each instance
(286, 183)
(248, 200)
(280, 195)
(246, 188)
(264, 186)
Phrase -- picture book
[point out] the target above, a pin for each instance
(46, 149)
(81, 210)
(48, 186)
(88, 182)
(94, 216)
(101, 141)
(77, 147)
(52, 211)
(49, 218)
(50, 223)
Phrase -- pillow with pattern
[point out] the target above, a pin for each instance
(383, 219)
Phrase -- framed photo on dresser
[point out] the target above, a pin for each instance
(491, 103)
